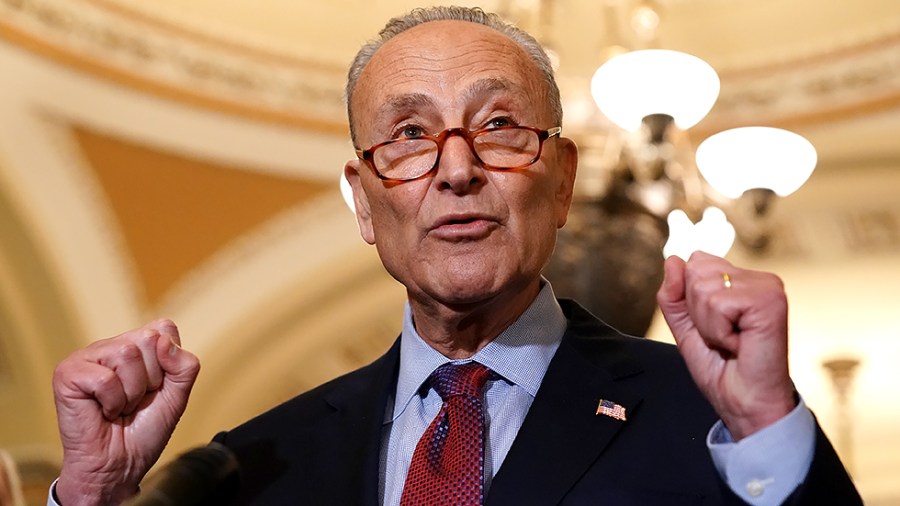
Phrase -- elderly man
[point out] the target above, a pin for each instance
(495, 392)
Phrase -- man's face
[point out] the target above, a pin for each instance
(463, 235)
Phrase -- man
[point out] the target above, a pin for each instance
(461, 183)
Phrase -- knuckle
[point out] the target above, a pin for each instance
(192, 364)
(145, 339)
(126, 351)
(168, 325)
(777, 282)
(61, 372)
(106, 378)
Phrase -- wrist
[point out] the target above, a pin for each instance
(73, 492)
(761, 415)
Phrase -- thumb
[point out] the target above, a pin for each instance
(671, 295)
(181, 367)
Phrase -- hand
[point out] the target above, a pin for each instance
(733, 339)
(117, 403)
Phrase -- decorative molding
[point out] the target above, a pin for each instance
(217, 72)
(836, 218)
(844, 81)
(133, 51)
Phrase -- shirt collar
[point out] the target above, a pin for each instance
(521, 353)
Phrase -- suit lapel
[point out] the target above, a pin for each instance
(562, 435)
(354, 431)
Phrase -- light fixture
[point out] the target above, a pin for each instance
(664, 93)
(741, 159)
(640, 192)
(633, 86)
(650, 98)
(713, 234)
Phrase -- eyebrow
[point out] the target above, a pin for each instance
(417, 101)
(489, 86)
(406, 102)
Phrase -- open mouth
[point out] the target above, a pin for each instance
(463, 227)
(463, 221)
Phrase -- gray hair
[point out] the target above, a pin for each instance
(420, 16)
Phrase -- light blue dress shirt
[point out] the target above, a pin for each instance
(763, 469)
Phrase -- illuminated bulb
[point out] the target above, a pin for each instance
(629, 87)
(713, 234)
(741, 159)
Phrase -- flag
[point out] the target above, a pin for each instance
(612, 409)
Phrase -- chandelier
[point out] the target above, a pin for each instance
(643, 191)
(647, 94)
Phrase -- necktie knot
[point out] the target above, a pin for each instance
(450, 380)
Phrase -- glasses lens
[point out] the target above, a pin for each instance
(406, 158)
(510, 147)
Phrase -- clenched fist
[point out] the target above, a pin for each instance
(730, 326)
(117, 402)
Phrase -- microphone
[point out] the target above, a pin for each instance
(201, 475)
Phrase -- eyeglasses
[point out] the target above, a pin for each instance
(501, 148)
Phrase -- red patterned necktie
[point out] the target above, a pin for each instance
(447, 466)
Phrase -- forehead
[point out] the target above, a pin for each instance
(446, 64)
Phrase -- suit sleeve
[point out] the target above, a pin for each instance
(827, 481)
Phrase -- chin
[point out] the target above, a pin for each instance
(465, 292)
(470, 286)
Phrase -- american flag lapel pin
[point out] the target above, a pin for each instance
(611, 409)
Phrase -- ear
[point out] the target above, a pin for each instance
(567, 164)
(360, 200)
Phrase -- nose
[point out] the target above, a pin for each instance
(459, 170)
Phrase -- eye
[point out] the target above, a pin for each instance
(410, 132)
(499, 122)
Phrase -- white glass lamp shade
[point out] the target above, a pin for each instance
(631, 86)
(713, 234)
(740, 159)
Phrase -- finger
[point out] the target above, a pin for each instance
(671, 298)
(718, 315)
(672, 289)
(145, 339)
(86, 380)
(125, 360)
(715, 309)
(180, 366)
(167, 328)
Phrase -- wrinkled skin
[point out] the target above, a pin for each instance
(117, 403)
(734, 340)
(468, 243)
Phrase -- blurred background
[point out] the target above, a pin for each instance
(181, 158)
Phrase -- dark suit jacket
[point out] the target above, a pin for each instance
(323, 447)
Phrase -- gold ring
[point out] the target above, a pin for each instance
(726, 278)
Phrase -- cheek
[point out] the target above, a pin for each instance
(535, 203)
(533, 216)
(394, 211)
